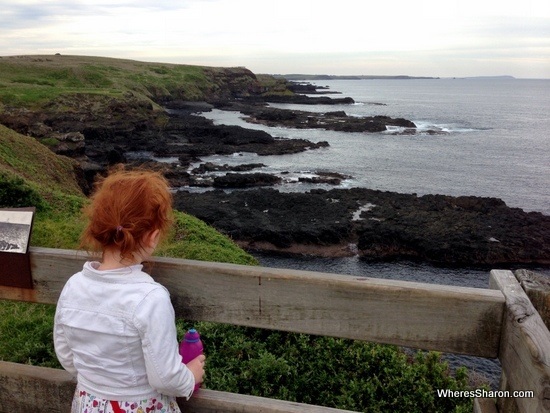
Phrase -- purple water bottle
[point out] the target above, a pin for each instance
(191, 347)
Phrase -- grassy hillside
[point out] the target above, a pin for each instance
(31, 175)
(33, 81)
(23, 157)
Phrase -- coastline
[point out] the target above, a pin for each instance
(101, 131)
(340, 250)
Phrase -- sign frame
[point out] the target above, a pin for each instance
(15, 235)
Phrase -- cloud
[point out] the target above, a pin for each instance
(317, 34)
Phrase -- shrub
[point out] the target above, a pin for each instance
(16, 193)
(303, 368)
(340, 373)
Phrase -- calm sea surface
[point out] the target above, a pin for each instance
(494, 141)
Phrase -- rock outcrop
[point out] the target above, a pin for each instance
(259, 113)
(336, 121)
(443, 230)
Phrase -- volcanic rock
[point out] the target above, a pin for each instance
(233, 180)
(336, 120)
(386, 226)
(211, 167)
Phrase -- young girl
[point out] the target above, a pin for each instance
(114, 325)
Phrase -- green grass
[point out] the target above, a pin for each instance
(33, 81)
(191, 238)
(27, 333)
(23, 157)
(36, 81)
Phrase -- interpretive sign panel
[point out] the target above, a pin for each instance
(15, 234)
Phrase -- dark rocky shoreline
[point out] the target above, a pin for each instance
(375, 225)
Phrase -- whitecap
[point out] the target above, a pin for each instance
(427, 127)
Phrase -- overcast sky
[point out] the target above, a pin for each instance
(389, 37)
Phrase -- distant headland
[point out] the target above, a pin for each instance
(297, 77)
(347, 77)
(486, 77)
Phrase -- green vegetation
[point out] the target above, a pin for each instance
(273, 85)
(298, 367)
(332, 372)
(21, 156)
(33, 81)
(15, 192)
(27, 333)
(193, 239)
(36, 80)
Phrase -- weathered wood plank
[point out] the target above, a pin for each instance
(433, 317)
(51, 268)
(209, 401)
(25, 388)
(525, 345)
(537, 288)
(427, 316)
(506, 404)
(484, 405)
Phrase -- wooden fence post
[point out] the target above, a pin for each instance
(524, 349)
(537, 288)
(484, 405)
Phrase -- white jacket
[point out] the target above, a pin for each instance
(115, 331)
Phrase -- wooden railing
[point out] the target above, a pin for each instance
(496, 322)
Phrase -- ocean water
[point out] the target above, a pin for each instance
(493, 139)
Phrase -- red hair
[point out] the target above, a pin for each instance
(126, 206)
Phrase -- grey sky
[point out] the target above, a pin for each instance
(420, 38)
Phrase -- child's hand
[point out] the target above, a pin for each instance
(197, 368)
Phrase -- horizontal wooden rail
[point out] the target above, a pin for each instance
(34, 389)
(499, 322)
(426, 316)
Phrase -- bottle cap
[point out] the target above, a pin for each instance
(192, 336)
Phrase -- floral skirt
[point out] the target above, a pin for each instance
(84, 402)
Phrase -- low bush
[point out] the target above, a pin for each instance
(15, 193)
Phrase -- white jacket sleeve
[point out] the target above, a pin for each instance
(62, 349)
(155, 319)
